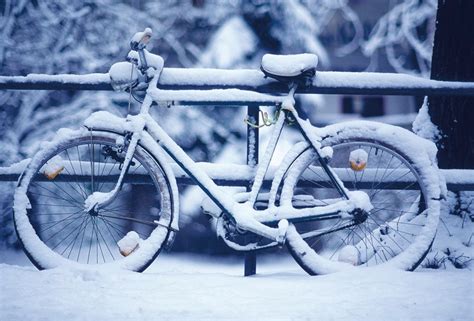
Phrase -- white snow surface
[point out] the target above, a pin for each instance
(358, 156)
(213, 96)
(189, 287)
(138, 36)
(289, 65)
(152, 60)
(349, 254)
(95, 78)
(15, 168)
(122, 75)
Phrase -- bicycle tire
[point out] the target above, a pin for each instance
(410, 244)
(38, 200)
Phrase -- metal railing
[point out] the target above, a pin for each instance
(250, 88)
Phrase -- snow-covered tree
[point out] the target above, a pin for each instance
(61, 36)
(405, 35)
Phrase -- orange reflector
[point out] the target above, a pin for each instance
(53, 174)
(358, 166)
(127, 252)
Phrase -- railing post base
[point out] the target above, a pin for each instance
(250, 266)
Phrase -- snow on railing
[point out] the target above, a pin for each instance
(250, 82)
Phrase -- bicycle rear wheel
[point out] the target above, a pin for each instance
(399, 229)
(49, 210)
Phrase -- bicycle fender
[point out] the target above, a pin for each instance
(289, 158)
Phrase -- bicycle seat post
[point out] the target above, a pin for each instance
(293, 86)
(289, 101)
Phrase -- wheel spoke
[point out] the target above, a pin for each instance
(83, 192)
(74, 240)
(55, 195)
(105, 241)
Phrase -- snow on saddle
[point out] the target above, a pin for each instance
(290, 68)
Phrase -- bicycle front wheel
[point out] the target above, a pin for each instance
(398, 231)
(55, 229)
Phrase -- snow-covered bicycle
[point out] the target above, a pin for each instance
(355, 193)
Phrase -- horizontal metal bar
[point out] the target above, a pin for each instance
(56, 82)
(146, 180)
(244, 181)
(325, 82)
(230, 104)
(228, 96)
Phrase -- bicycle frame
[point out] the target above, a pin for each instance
(243, 214)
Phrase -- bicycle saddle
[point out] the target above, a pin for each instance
(290, 68)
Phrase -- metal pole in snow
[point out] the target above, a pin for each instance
(250, 265)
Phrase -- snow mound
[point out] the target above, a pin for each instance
(423, 127)
(289, 65)
(190, 287)
(122, 75)
(453, 246)
(129, 243)
(142, 35)
(349, 254)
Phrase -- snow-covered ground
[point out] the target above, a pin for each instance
(190, 287)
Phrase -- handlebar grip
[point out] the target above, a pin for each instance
(141, 39)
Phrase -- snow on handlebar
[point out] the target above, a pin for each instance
(141, 39)
(141, 66)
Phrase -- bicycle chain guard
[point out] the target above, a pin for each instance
(240, 239)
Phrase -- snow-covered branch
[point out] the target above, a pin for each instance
(408, 28)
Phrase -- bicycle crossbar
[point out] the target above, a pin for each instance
(248, 85)
(243, 175)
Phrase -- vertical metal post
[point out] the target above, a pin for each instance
(250, 266)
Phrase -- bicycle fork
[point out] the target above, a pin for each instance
(99, 199)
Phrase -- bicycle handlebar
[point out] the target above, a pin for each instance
(138, 43)
(141, 39)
